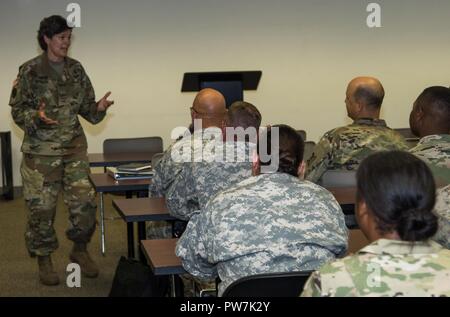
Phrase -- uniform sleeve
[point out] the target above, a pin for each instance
(155, 187)
(443, 234)
(24, 104)
(88, 108)
(192, 248)
(164, 174)
(181, 197)
(318, 164)
(312, 286)
(442, 210)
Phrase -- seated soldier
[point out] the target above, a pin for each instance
(430, 120)
(272, 222)
(395, 199)
(442, 210)
(222, 164)
(209, 107)
(344, 148)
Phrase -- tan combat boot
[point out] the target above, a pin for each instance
(80, 255)
(47, 275)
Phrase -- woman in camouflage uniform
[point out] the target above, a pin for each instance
(49, 93)
(395, 199)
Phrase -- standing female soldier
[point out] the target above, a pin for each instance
(50, 92)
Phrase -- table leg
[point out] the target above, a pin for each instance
(141, 236)
(102, 223)
(173, 290)
(130, 236)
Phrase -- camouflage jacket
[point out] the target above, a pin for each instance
(442, 209)
(344, 148)
(65, 97)
(222, 165)
(178, 153)
(164, 173)
(385, 268)
(435, 151)
(264, 224)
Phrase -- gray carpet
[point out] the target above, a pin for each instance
(19, 272)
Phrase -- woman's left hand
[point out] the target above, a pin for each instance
(104, 103)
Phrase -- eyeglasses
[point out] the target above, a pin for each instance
(196, 112)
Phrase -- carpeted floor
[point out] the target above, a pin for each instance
(19, 272)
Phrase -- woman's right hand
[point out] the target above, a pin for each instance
(43, 117)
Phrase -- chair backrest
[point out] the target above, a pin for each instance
(338, 179)
(406, 133)
(309, 148)
(156, 158)
(302, 134)
(410, 138)
(152, 144)
(412, 142)
(289, 284)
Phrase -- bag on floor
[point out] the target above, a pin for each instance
(135, 279)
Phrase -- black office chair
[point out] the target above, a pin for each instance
(412, 142)
(410, 138)
(150, 145)
(342, 179)
(153, 144)
(406, 133)
(289, 284)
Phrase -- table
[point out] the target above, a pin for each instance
(104, 183)
(160, 255)
(115, 159)
(346, 197)
(141, 210)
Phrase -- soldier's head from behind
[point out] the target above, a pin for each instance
(431, 112)
(280, 150)
(395, 197)
(364, 97)
(209, 106)
(242, 122)
(54, 37)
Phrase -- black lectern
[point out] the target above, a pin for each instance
(230, 84)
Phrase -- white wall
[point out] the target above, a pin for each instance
(307, 50)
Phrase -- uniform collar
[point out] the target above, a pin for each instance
(397, 247)
(370, 121)
(48, 70)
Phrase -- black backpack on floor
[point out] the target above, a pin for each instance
(135, 279)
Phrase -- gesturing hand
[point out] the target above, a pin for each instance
(43, 117)
(104, 103)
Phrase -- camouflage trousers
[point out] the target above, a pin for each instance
(159, 230)
(165, 229)
(43, 177)
(194, 286)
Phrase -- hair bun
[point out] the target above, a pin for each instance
(417, 224)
